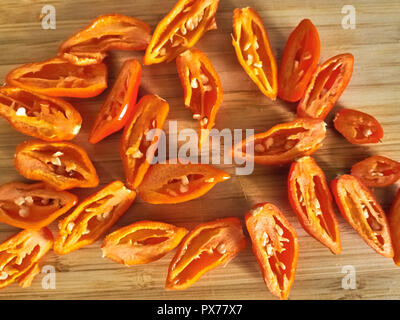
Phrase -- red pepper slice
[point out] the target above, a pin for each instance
(394, 223)
(93, 217)
(202, 88)
(63, 165)
(275, 246)
(311, 200)
(299, 61)
(119, 104)
(39, 116)
(136, 152)
(207, 246)
(142, 242)
(105, 33)
(358, 127)
(57, 77)
(326, 86)
(360, 208)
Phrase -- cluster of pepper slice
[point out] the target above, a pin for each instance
(31, 102)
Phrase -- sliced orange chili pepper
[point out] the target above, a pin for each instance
(175, 182)
(358, 127)
(39, 116)
(275, 246)
(59, 78)
(93, 217)
(106, 32)
(360, 208)
(253, 50)
(136, 151)
(142, 242)
(299, 61)
(178, 31)
(202, 88)
(20, 254)
(119, 104)
(63, 165)
(207, 246)
(326, 86)
(284, 142)
(311, 200)
(394, 223)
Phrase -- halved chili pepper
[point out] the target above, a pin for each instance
(358, 127)
(394, 224)
(377, 171)
(20, 255)
(202, 88)
(93, 217)
(175, 182)
(326, 86)
(180, 29)
(119, 104)
(207, 246)
(142, 242)
(63, 165)
(360, 208)
(275, 246)
(253, 50)
(311, 200)
(106, 32)
(39, 116)
(136, 151)
(283, 142)
(299, 61)
(58, 77)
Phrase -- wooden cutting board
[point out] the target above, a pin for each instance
(374, 89)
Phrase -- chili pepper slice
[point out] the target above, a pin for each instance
(207, 246)
(299, 61)
(59, 78)
(275, 245)
(39, 116)
(136, 150)
(176, 182)
(93, 217)
(178, 31)
(106, 32)
(142, 242)
(358, 127)
(33, 206)
(311, 200)
(360, 208)
(20, 254)
(283, 142)
(202, 88)
(326, 86)
(394, 223)
(253, 50)
(120, 102)
(63, 165)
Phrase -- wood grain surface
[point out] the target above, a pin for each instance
(374, 88)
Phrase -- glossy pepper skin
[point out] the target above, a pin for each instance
(361, 210)
(311, 200)
(202, 88)
(275, 246)
(93, 217)
(326, 86)
(253, 50)
(119, 104)
(180, 29)
(394, 223)
(105, 33)
(142, 242)
(136, 150)
(207, 246)
(58, 77)
(63, 165)
(299, 61)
